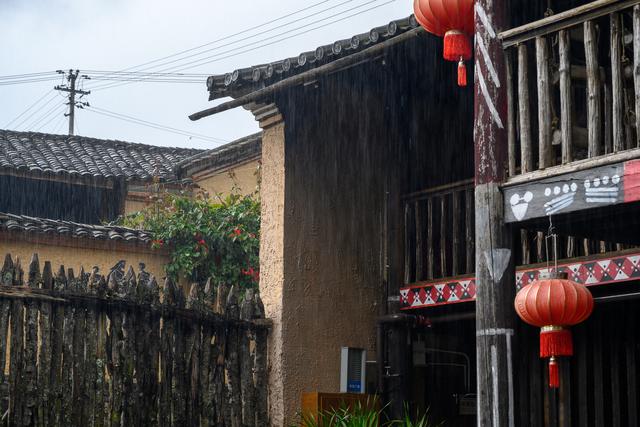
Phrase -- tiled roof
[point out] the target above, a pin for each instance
(238, 151)
(246, 80)
(87, 157)
(28, 224)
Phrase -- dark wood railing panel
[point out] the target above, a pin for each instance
(574, 85)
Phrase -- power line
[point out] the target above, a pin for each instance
(35, 112)
(157, 126)
(28, 80)
(27, 75)
(58, 111)
(58, 126)
(229, 36)
(234, 52)
(29, 108)
(253, 35)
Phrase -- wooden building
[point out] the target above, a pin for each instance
(379, 213)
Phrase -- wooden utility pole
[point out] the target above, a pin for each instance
(72, 77)
(494, 261)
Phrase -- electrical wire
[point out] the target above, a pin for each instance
(58, 126)
(27, 75)
(43, 117)
(55, 112)
(157, 126)
(28, 80)
(51, 99)
(234, 52)
(229, 36)
(28, 109)
(257, 34)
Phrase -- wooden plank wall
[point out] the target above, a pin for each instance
(599, 384)
(118, 349)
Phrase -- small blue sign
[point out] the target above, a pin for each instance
(354, 387)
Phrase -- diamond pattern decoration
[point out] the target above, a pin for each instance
(594, 272)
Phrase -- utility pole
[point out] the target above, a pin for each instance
(72, 77)
(494, 258)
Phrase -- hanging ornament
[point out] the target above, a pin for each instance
(553, 303)
(453, 20)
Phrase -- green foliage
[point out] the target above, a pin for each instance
(218, 239)
(359, 415)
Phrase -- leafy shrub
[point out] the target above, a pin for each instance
(205, 239)
(358, 415)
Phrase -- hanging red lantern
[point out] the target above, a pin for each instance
(553, 303)
(453, 20)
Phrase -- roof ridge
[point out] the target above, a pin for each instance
(68, 138)
(243, 80)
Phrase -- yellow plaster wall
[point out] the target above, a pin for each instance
(132, 206)
(244, 177)
(272, 262)
(77, 252)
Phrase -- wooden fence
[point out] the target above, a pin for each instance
(120, 350)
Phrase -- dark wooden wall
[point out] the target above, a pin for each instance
(59, 200)
(599, 383)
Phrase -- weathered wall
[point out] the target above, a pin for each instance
(79, 252)
(241, 179)
(338, 167)
(272, 257)
(331, 199)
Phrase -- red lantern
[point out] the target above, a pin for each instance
(453, 20)
(553, 303)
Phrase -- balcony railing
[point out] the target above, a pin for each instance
(439, 236)
(573, 81)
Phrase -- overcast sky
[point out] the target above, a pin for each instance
(45, 35)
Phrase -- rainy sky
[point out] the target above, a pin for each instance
(107, 35)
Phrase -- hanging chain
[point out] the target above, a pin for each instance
(551, 234)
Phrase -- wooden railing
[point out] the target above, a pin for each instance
(439, 238)
(573, 81)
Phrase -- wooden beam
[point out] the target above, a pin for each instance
(608, 185)
(563, 20)
(579, 165)
(494, 261)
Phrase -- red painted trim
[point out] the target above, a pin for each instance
(632, 181)
(596, 271)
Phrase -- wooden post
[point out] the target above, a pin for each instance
(494, 262)
(566, 98)
(636, 67)
(593, 89)
(524, 110)
(545, 149)
(616, 81)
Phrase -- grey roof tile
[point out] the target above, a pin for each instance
(88, 157)
(29, 224)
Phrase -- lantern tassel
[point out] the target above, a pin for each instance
(462, 74)
(555, 341)
(554, 373)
